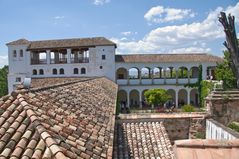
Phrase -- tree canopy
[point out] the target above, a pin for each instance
(225, 73)
(3, 81)
(156, 96)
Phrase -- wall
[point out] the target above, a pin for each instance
(215, 130)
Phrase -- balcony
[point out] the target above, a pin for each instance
(170, 81)
(134, 81)
(183, 81)
(80, 60)
(146, 81)
(158, 81)
(38, 62)
(122, 81)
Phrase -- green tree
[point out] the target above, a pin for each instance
(156, 96)
(224, 72)
(3, 81)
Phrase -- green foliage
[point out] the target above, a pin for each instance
(224, 72)
(3, 81)
(156, 96)
(188, 108)
(118, 109)
(182, 73)
(206, 88)
(234, 126)
(200, 135)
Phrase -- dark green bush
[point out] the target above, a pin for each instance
(188, 108)
(234, 126)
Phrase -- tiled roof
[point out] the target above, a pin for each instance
(19, 42)
(206, 149)
(64, 43)
(142, 140)
(74, 120)
(147, 58)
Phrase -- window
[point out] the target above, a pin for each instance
(62, 71)
(41, 72)
(76, 71)
(54, 71)
(14, 53)
(120, 76)
(21, 53)
(103, 57)
(101, 67)
(82, 71)
(18, 79)
(34, 72)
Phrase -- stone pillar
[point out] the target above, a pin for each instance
(188, 96)
(189, 76)
(48, 56)
(56, 57)
(164, 75)
(176, 76)
(128, 99)
(140, 78)
(176, 98)
(68, 55)
(140, 99)
(152, 76)
(128, 77)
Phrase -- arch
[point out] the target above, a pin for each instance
(194, 72)
(134, 73)
(34, 72)
(172, 93)
(134, 98)
(82, 71)
(144, 103)
(41, 72)
(62, 71)
(121, 73)
(182, 97)
(157, 72)
(122, 97)
(194, 100)
(76, 71)
(182, 72)
(54, 71)
(170, 72)
(145, 72)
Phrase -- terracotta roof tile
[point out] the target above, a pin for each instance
(39, 126)
(154, 58)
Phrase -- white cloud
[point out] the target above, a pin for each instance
(101, 2)
(160, 14)
(193, 37)
(58, 17)
(127, 33)
(3, 61)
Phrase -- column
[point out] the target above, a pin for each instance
(176, 98)
(128, 99)
(48, 56)
(164, 75)
(140, 78)
(128, 77)
(68, 55)
(188, 95)
(152, 76)
(189, 76)
(140, 99)
(56, 54)
(176, 76)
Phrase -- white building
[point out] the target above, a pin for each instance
(90, 57)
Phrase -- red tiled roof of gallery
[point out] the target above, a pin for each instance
(71, 120)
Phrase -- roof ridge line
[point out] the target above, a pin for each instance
(32, 90)
(47, 138)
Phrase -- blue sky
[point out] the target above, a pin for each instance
(137, 26)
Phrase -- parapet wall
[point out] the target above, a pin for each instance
(223, 106)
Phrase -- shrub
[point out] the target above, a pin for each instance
(200, 135)
(234, 126)
(188, 108)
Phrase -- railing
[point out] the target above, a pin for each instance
(61, 60)
(122, 81)
(38, 62)
(80, 60)
(215, 130)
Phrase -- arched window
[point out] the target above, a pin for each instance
(62, 71)
(14, 53)
(41, 72)
(34, 72)
(54, 71)
(82, 71)
(76, 71)
(21, 53)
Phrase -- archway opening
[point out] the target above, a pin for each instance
(194, 100)
(134, 98)
(134, 73)
(182, 97)
(121, 73)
